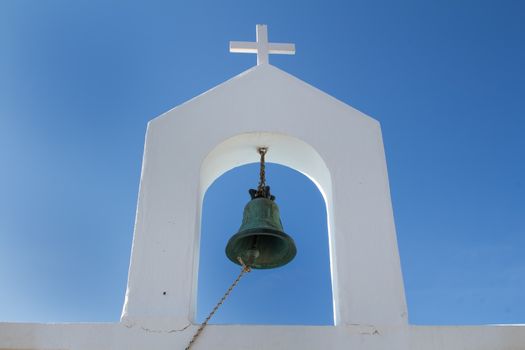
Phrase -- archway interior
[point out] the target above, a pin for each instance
(298, 293)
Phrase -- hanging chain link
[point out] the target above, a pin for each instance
(244, 270)
(262, 173)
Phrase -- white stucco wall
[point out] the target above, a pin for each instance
(118, 336)
(336, 146)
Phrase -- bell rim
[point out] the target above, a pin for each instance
(267, 232)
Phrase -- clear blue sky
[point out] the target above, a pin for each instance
(79, 81)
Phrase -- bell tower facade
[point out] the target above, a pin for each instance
(336, 146)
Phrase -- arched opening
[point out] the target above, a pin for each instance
(285, 150)
(297, 293)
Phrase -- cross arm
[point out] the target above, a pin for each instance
(243, 47)
(283, 49)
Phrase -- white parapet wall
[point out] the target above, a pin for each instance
(117, 336)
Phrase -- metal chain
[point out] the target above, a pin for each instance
(244, 270)
(262, 172)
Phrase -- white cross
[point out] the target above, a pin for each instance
(262, 47)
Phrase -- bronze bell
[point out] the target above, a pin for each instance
(261, 242)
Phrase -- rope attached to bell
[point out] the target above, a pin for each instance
(244, 269)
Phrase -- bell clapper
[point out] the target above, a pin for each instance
(251, 255)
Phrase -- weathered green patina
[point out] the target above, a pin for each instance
(261, 242)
